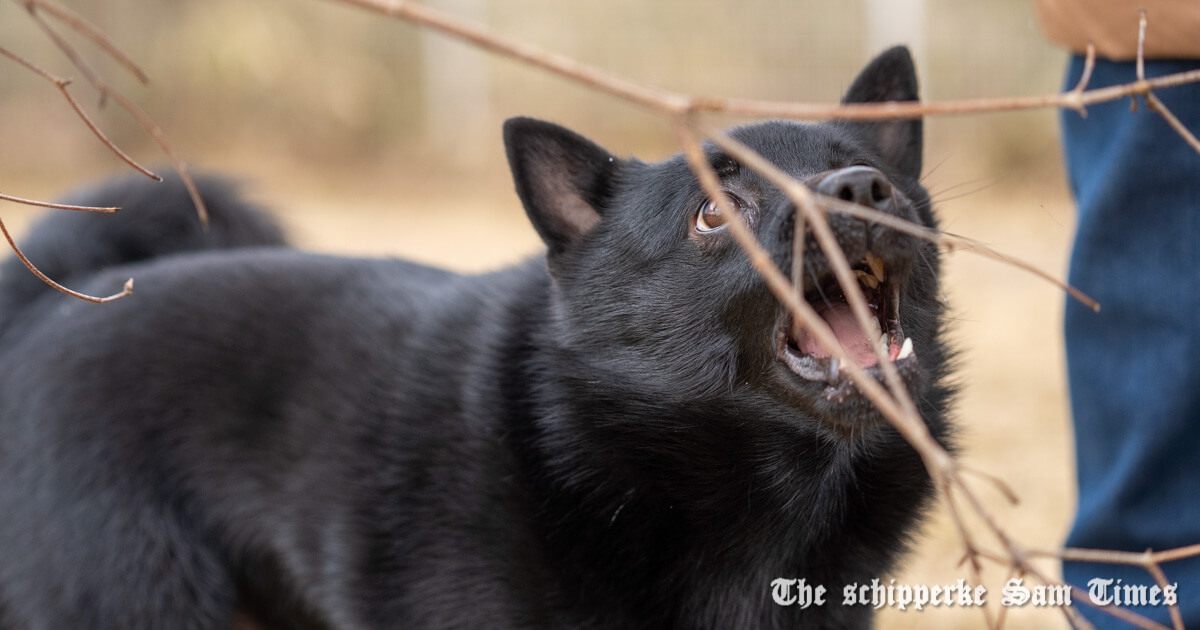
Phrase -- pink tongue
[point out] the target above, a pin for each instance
(841, 320)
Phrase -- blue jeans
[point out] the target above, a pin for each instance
(1134, 367)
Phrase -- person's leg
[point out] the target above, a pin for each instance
(1134, 367)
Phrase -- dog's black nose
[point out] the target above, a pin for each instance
(862, 185)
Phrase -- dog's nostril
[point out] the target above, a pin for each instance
(881, 190)
(862, 185)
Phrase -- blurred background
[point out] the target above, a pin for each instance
(370, 137)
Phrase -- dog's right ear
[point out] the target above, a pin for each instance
(561, 177)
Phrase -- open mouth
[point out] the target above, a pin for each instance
(812, 361)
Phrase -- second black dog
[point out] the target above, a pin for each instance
(626, 433)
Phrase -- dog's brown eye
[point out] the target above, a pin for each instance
(710, 217)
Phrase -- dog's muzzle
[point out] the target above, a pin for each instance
(880, 258)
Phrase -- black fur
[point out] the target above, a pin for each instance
(604, 438)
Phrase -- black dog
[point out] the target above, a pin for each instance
(623, 434)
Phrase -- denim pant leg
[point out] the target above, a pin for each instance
(1134, 367)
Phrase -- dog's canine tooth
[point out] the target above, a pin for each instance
(883, 340)
(867, 279)
(876, 265)
(833, 370)
(906, 350)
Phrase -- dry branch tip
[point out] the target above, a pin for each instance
(59, 206)
(44, 278)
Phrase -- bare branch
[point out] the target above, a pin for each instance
(1141, 45)
(88, 30)
(1133, 558)
(59, 206)
(44, 278)
(107, 92)
(482, 37)
(674, 103)
(161, 139)
(1076, 95)
(1156, 105)
(1152, 101)
(1149, 560)
(971, 553)
(62, 85)
(1160, 578)
(999, 483)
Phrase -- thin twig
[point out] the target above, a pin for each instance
(798, 239)
(44, 278)
(1109, 556)
(88, 30)
(1141, 45)
(59, 206)
(674, 103)
(161, 139)
(954, 241)
(62, 85)
(489, 40)
(107, 92)
(1149, 560)
(1152, 101)
(1089, 65)
(66, 48)
(1160, 578)
(999, 483)
(1156, 105)
(971, 553)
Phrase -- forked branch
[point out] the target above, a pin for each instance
(77, 23)
(89, 31)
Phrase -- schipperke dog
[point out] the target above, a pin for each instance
(626, 432)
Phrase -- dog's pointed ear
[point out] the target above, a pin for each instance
(891, 76)
(561, 177)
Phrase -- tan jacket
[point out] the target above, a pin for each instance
(1172, 26)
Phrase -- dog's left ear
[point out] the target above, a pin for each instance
(891, 76)
(561, 177)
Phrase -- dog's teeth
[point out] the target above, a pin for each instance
(867, 279)
(906, 350)
(833, 370)
(876, 265)
(883, 340)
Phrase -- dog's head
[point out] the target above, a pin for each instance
(654, 297)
